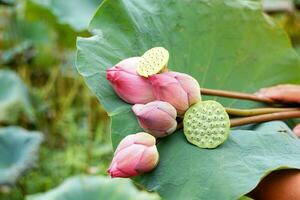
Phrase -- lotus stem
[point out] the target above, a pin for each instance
(264, 118)
(257, 111)
(236, 95)
(179, 125)
(257, 115)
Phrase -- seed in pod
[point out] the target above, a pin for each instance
(206, 124)
(153, 61)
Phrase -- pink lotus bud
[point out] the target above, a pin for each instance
(130, 87)
(157, 118)
(134, 155)
(179, 89)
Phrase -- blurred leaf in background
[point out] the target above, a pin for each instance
(18, 153)
(7, 2)
(14, 99)
(94, 188)
(38, 46)
(76, 13)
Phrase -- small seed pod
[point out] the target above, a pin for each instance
(153, 61)
(206, 129)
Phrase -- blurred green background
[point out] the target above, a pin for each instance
(41, 90)
(38, 42)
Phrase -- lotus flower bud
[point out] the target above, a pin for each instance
(157, 118)
(178, 89)
(125, 81)
(134, 155)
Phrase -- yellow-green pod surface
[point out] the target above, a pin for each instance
(206, 124)
(153, 61)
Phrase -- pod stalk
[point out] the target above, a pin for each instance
(235, 95)
(264, 118)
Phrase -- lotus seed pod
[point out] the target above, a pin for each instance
(153, 61)
(210, 131)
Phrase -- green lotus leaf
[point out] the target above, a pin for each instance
(245, 198)
(18, 153)
(227, 172)
(224, 44)
(94, 188)
(76, 13)
(7, 2)
(14, 98)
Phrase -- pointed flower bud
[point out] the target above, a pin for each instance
(157, 118)
(129, 86)
(134, 155)
(178, 89)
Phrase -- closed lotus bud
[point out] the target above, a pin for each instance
(134, 155)
(179, 89)
(129, 86)
(157, 118)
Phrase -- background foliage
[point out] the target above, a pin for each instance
(37, 45)
(244, 51)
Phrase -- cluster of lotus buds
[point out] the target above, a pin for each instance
(162, 99)
(159, 97)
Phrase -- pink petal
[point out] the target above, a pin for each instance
(168, 108)
(140, 109)
(190, 85)
(157, 122)
(125, 142)
(129, 65)
(116, 173)
(128, 158)
(168, 89)
(149, 160)
(144, 139)
(132, 88)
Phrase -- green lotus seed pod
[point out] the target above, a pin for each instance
(153, 61)
(206, 129)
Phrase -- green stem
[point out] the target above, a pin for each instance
(264, 118)
(257, 111)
